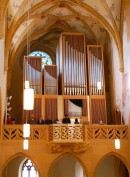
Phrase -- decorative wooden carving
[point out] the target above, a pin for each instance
(40, 132)
(67, 147)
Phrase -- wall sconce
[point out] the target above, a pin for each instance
(117, 144)
(26, 130)
(28, 99)
(25, 144)
(28, 105)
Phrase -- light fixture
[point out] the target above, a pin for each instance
(25, 144)
(117, 144)
(28, 99)
(99, 85)
(26, 130)
(28, 105)
(117, 140)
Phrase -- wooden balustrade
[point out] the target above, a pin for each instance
(106, 132)
(66, 132)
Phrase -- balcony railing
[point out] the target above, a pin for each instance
(66, 132)
(107, 132)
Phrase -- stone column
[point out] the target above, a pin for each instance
(3, 80)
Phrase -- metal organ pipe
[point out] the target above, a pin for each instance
(96, 75)
(74, 65)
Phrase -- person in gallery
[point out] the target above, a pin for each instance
(31, 120)
(9, 119)
(66, 120)
(48, 120)
(76, 121)
(41, 120)
(13, 121)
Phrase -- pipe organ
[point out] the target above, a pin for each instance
(77, 77)
(96, 84)
(33, 73)
(50, 80)
(51, 108)
(95, 66)
(72, 64)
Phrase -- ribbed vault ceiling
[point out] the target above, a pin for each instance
(45, 19)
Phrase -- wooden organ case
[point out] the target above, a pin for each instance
(96, 80)
(32, 72)
(72, 74)
(50, 92)
(74, 86)
(46, 104)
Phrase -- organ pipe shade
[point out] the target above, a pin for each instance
(26, 130)
(25, 144)
(28, 99)
(117, 144)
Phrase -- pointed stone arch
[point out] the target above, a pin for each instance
(111, 155)
(66, 157)
(16, 161)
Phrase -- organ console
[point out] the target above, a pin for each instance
(78, 76)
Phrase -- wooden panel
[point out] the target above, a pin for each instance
(51, 108)
(50, 80)
(35, 113)
(98, 111)
(33, 73)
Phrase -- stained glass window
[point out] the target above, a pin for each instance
(46, 59)
(29, 170)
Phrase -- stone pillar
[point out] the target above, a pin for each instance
(1, 19)
(3, 80)
(127, 14)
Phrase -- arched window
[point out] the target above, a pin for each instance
(46, 59)
(29, 170)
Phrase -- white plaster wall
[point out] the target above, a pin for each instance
(126, 50)
(126, 76)
(117, 77)
(64, 167)
(78, 170)
(3, 77)
(106, 168)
